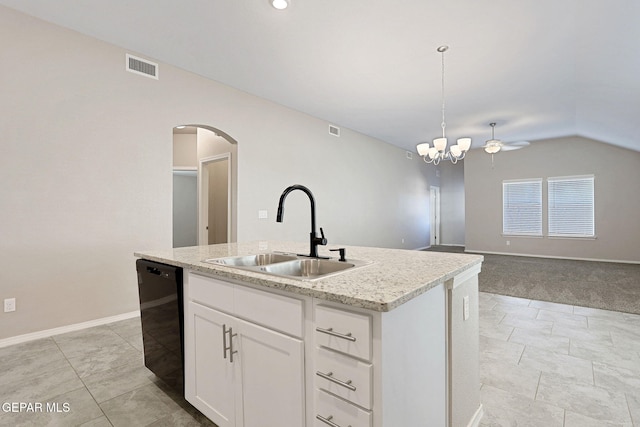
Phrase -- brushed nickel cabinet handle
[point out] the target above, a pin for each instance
(328, 421)
(330, 377)
(329, 331)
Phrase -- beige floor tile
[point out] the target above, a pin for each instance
(565, 319)
(511, 319)
(610, 355)
(511, 300)
(616, 378)
(572, 368)
(136, 408)
(508, 377)
(499, 332)
(633, 400)
(541, 340)
(503, 351)
(571, 419)
(552, 306)
(113, 382)
(506, 409)
(584, 399)
(520, 311)
(598, 336)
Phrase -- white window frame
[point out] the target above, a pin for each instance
(514, 212)
(571, 218)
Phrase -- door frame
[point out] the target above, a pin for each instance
(434, 211)
(203, 196)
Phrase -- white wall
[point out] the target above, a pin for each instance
(617, 205)
(452, 221)
(86, 171)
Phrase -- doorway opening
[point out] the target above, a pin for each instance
(205, 186)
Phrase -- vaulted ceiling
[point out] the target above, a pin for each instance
(539, 68)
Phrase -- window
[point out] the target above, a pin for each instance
(522, 207)
(571, 206)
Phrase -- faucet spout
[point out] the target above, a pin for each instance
(314, 240)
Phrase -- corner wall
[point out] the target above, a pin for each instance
(617, 205)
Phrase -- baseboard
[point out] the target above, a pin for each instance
(477, 417)
(553, 257)
(64, 329)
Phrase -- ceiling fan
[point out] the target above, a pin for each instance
(494, 145)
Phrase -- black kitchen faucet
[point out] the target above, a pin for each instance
(314, 240)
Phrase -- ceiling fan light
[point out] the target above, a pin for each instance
(464, 144)
(280, 4)
(440, 144)
(491, 147)
(423, 148)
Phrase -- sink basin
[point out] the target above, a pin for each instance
(252, 260)
(309, 268)
(288, 265)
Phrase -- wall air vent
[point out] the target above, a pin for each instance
(409, 155)
(334, 130)
(141, 66)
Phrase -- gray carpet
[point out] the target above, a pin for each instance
(606, 285)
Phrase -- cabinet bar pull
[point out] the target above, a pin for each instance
(329, 377)
(229, 331)
(333, 333)
(224, 341)
(231, 350)
(328, 421)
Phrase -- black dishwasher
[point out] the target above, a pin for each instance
(161, 314)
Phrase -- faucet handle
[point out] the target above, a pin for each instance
(323, 240)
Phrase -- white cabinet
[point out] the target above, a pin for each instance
(237, 372)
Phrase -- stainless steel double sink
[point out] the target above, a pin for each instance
(289, 265)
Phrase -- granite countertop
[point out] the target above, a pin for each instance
(394, 276)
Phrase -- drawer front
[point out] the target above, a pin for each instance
(274, 311)
(210, 292)
(344, 376)
(343, 331)
(338, 412)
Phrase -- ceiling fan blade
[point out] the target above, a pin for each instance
(510, 146)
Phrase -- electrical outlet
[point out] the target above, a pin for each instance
(465, 306)
(9, 305)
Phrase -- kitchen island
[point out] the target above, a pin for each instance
(393, 342)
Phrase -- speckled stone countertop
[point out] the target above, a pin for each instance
(394, 276)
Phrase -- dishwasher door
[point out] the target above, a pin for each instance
(161, 314)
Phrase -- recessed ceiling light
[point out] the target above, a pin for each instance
(280, 4)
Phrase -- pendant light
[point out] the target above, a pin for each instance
(439, 150)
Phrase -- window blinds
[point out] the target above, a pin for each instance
(522, 207)
(571, 206)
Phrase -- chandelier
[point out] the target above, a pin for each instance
(439, 150)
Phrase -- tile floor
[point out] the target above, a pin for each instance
(546, 364)
(541, 364)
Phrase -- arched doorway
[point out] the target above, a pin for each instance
(205, 186)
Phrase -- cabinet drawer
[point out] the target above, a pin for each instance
(344, 376)
(343, 331)
(210, 292)
(271, 310)
(339, 412)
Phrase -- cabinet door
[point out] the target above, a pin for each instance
(272, 366)
(209, 377)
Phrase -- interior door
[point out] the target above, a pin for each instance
(210, 377)
(214, 201)
(272, 367)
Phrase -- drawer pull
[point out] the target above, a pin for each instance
(333, 333)
(328, 421)
(329, 377)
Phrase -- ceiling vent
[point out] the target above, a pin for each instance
(142, 66)
(334, 130)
